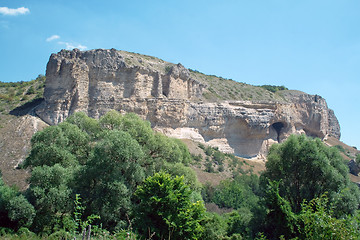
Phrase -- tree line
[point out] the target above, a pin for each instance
(130, 182)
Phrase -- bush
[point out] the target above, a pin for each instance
(218, 157)
(164, 208)
(209, 167)
(197, 158)
(15, 210)
(305, 169)
(30, 91)
(273, 88)
(208, 151)
(357, 159)
(235, 194)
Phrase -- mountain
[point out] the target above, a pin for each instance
(235, 117)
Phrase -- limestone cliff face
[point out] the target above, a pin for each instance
(89, 81)
(172, 100)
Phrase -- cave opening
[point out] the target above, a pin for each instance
(278, 126)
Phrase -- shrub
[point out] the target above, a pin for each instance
(164, 208)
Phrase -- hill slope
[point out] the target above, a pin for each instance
(235, 117)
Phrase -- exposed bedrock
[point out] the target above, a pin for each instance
(97, 81)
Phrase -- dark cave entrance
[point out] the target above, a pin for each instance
(278, 126)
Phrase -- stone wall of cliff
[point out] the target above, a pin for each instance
(172, 100)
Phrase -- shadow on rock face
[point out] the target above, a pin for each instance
(26, 108)
(278, 126)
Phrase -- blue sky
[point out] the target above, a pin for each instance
(312, 46)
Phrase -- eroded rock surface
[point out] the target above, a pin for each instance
(172, 100)
(15, 145)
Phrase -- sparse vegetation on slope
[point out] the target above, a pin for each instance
(15, 94)
(219, 89)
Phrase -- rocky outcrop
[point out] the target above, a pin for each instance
(15, 135)
(87, 81)
(171, 99)
(353, 167)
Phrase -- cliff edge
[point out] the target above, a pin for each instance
(236, 117)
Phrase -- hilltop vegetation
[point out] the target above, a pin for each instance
(15, 94)
(219, 88)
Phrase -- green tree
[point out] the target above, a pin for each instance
(109, 178)
(131, 123)
(15, 210)
(64, 144)
(160, 150)
(215, 226)
(190, 178)
(218, 157)
(305, 169)
(86, 124)
(103, 160)
(164, 208)
(239, 222)
(280, 219)
(157, 148)
(50, 194)
(237, 193)
(317, 222)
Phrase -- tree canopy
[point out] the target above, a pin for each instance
(102, 160)
(15, 210)
(306, 169)
(165, 208)
(118, 172)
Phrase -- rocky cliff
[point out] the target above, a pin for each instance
(236, 117)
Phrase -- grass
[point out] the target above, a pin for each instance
(15, 94)
(219, 88)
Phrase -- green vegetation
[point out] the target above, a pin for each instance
(165, 209)
(15, 210)
(219, 88)
(213, 158)
(273, 88)
(318, 222)
(237, 193)
(104, 161)
(344, 151)
(305, 169)
(15, 94)
(129, 182)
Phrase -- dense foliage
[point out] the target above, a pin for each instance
(132, 183)
(15, 210)
(303, 170)
(273, 88)
(165, 209)
(306, 169)
(104, 161)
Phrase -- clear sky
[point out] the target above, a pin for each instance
(312, 46)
